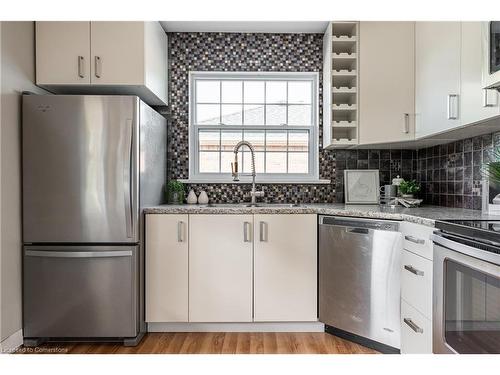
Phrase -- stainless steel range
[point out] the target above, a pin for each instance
(89, 164)
(466, 295)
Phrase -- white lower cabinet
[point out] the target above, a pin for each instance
(416, 331)
(220, 268)
(231, 268)
(166, 268)
(285, 268)
(416, 289)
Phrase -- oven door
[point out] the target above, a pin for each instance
(466, 299)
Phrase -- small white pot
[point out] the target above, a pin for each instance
(203, 198)
(192, 198)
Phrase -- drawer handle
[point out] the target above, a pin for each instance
(98, 65)
(81, 67)
(418, 241)
(414, 270)
(413, 326)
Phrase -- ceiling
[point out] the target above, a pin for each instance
(246, 26)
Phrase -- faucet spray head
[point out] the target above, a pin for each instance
(234, 168)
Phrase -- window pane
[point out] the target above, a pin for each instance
(275, 141)
(232, 91)
(231, 114)
(209, 162)
(209, 140)
(253, 114)
(275, 92)
(253, 92)
(299, 115)
(275, 114)
(298, 141)
(276, 162)
(227, 158)
(298, 162)
(259, 162)
(229, 139)
(299, 92)
(207, 91)
(208, 114)
(256, 138)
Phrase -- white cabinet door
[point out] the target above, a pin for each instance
(62, 53)
(117, 53)
(387, 82)
(416, 282)
(437, 77)
(166, 268)
(285, 268)
(220, 268)
(473, 96)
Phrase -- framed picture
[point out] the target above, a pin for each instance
(361, 186)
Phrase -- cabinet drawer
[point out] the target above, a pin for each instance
(416, 282)
(416, 331)
(416, 238)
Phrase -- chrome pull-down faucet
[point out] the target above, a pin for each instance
(234, 168)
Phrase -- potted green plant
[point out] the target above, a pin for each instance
(175, 192)
(409, 188)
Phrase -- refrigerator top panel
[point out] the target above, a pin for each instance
(80, 168)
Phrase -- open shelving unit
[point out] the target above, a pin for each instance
(340, 84)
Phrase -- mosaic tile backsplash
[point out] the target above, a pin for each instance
(450, 174)
(248, 52)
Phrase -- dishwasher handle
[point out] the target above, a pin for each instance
(357, 230)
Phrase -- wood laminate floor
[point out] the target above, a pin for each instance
(217, 343)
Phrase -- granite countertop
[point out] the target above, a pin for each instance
(425, 215)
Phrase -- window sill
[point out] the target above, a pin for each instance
(277, 182)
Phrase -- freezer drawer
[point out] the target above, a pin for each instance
(80, 291)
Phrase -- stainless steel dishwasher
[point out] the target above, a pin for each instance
(359, 280)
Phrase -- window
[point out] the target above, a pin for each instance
(276, 112)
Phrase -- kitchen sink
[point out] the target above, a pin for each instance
(271, 205)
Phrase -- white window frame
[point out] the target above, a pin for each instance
(311, 177)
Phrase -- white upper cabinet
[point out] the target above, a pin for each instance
(477, 103)
(438, 50)
(103, 58)
(62, 53)
(285, 268)
(117, 51)
(387, 82)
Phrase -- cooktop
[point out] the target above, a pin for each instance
(477, 231)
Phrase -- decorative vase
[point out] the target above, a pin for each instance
(192, 198)
(203, 197)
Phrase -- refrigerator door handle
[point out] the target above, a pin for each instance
(78, 254)
(127, 180)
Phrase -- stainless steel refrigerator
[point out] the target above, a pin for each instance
(90, 163)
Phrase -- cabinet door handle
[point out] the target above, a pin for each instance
(414, 270)
(180, 231)
(263, 231)
(98, 65)
(407, 123)
(413, 326)
(418, 241)
(452, 107)
(490, 98)
(246, 232)
(81, 67)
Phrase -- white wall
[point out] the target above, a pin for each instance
(17, 74)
